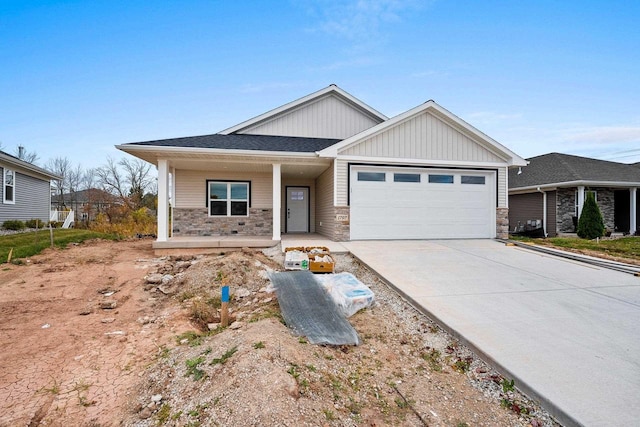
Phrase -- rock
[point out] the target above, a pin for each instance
(163, 290)
(156, 398)
(108, 320)
(236, 325)
(155, 278)
(184, 341)
(213, 326)
(267, 300)
(146, 413)
(166, 279)
(85, 311)
(108, 304)
(242, 293)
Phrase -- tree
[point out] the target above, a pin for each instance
(590, 224)
(27, 156)
(128, 179)
(60, 166)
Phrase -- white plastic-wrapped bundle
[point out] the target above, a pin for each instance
(349, 294)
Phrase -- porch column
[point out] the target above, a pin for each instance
(544, 213)
(580, 200)
(277, 197)
(633, 202)
(163, 200)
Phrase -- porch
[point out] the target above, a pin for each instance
(216, 244)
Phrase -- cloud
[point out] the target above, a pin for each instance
(360, 21)
(606, 135)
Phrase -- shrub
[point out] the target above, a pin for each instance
(35, 223)
(13, 224)
(590, 224)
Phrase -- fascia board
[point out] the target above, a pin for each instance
(566, 184)
(301, 101)
(131, 149)
(511, 159)
(422, 162)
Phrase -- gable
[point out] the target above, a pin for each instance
(424, 136)
(328, 117)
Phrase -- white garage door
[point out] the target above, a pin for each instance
(403, 203)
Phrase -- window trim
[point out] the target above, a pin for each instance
(363, 176)
(397, 175)
(482, 177)
(11, 201)
(228, 182)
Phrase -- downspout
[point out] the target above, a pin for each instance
(544, 211)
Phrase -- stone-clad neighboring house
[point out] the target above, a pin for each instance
(330, 164)
(26, 190)
(553, 187)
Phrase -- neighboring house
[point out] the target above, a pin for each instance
(85, 203)
(26, 190)
(328, 163)
(553, 187)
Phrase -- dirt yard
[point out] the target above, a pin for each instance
(107, 334)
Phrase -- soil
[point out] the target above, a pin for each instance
(107, 334)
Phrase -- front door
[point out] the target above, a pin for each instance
(297, 210)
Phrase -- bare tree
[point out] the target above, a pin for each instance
(59, 166)
(27, 156)
(127, 179)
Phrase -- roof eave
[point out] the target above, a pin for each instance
(579, 183)
(28, 166)
(131, 149)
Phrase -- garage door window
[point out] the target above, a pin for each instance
(406, 177)
(371, 176)
(441, 179)
(479, 180)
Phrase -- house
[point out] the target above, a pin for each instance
(26, 190)
(553, 188)
(330, 164)
(85, 203)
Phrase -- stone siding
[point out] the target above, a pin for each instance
(502, 223)
(197, 222)
(565, 205)
(342, 229)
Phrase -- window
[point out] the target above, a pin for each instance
(441, 179)
(406, 177)
(371, 176)
(470, 179)
(9, 186)
(228, 198)
(297, 195)
(595, 196)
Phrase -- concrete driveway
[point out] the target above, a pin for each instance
(567, 332)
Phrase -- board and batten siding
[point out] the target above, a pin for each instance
(327, 117)
(32, 198)
(191, 187)
(325, 213)
(524, 207)
(424, 137)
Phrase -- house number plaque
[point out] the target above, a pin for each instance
(342, 217)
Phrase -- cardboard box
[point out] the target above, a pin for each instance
(296, 259)
(321, 262)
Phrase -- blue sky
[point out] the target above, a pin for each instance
(78, 77)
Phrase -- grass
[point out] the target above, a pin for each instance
(32, 243)
(625, 247)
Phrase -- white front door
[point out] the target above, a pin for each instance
(297, 210)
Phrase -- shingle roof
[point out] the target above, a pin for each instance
(555, 168)
(246, 142)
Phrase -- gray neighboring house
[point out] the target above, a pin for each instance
(553, 188)
(26, 190)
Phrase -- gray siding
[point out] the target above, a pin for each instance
(523, 207)
(327, 117)
(32, 198)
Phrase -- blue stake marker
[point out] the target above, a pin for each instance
(225, 294)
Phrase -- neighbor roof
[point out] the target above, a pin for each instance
(244, 142)
(557, 168)
(13, 160)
